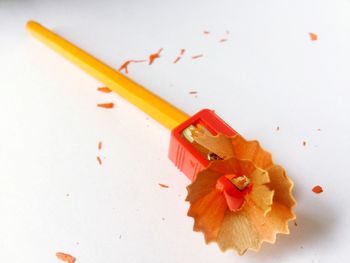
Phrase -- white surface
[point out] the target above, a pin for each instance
(267, 74)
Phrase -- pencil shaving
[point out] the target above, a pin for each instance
(240, 216)
(65, 257)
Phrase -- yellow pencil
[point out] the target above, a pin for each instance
(156, 107)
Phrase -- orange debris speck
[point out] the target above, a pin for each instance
(106, 105)
(197, 56)
(99, 145)
(317, 189)
(177, 59)
(125, 65)
(153, 56)
(104, 89)
(223, 40)
(65, 257)
(313, 36)
(182, 52)
(206, 32)
(163, 185)
(99, 160)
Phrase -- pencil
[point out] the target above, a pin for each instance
(162, 111)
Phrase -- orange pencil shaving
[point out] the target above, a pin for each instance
(177, 59)
(313, 36)
(182, 52)
(154, 56)
(106, 105)
(125, 65)
(197, 56)
(65, 257)
(104, 89)
(317, 189)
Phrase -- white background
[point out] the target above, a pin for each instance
(55, 197)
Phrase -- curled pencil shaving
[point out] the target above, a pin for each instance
(241, 200)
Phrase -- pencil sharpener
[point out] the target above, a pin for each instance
(183, 151)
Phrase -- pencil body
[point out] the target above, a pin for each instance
(156, 107)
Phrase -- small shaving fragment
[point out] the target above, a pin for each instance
(125, 65)
(104, 89)
(313, 36)
(163, 185)
(182, 52)
(206, 32)
(65, 257)
(193, 92)
(153, 56)
(223, 40)
(106, 105)
(99, 160)
(197, 56)
(317, 189)
(177, 59)
(278, 128)
(99, 145)
(304, 143)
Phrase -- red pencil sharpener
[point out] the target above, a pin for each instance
(182, 152)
